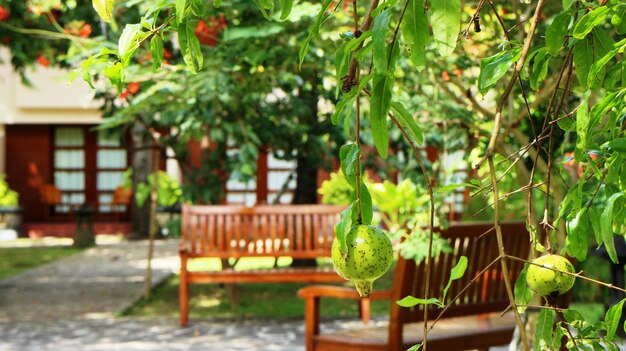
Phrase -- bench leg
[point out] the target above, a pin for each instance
(364, 310)
(311, 321)
(183, 293)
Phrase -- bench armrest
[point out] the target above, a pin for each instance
(312, 294)
(339, 292)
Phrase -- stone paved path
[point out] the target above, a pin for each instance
(100, 281)
(70, 305)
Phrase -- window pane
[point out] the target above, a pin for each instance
(69, 159)
(69, 136)
(71, 180)
(106, 139)
(109, 180)
(111, 159)
(105, 200)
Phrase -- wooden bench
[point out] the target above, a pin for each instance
(472, 322)
(297, 231)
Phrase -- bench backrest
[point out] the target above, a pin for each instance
(299, 231)
(478, 243)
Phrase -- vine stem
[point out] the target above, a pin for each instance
(351, 78)
(357, 172)
(505, 268)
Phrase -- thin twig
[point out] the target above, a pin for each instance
(480, 274)
(505, 268)
(509, 88)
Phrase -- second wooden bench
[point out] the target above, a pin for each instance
(297, 231)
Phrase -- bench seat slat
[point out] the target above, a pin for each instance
(458, 333)
(273, 275)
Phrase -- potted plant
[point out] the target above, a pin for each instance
(10, 211)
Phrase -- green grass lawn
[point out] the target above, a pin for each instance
(251, 300)
(15, 260)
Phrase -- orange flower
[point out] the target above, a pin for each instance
(133, 88)
(569, 160)
(85, 31)
(4, 14)
(43, 61)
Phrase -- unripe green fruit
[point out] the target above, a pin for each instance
(368, 257)
(547, 282)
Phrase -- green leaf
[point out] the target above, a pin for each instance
(555, 34)
(367, 208)
(415, 33)
(104, 8)
(450, 187)
(411, 301)
(578, 229)
(314, 30)
(251, 32)
(285, 8)
(598, 65)
(115, 73)
(587, 22)
(379, 41)
(190, 46)
(407, 122)
(618, 145)
(350, 162)
(126, 45)
(346, 102)
(456, 273)
(445, 21)
(415, 347)
(543, 331)
(606, 226)
(263, 6)
(380, 104)
(156, 48)
(619, 21)
(582, 127)
(181, 6)
(540, 68)
(523, 294)
(343, 227)
(495, 67)
(583, 59)
(612, 318)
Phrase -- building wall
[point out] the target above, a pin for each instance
(50, 100)
(28, 165)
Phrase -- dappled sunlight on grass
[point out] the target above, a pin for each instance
(15, 260)
(267, 300)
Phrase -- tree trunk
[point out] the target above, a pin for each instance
(142, 166)
(306, 181)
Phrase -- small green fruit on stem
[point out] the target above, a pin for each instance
(368, 257)
(547, 282)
